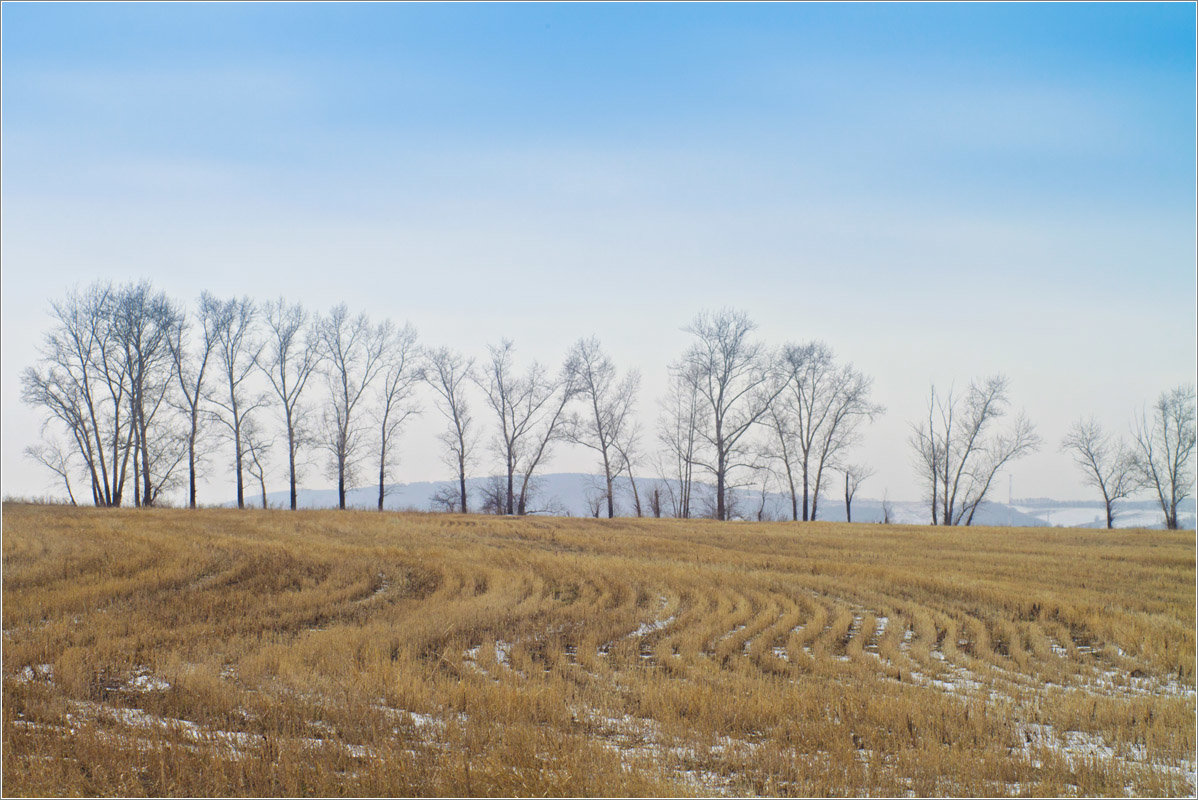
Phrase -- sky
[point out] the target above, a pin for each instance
(940, 192)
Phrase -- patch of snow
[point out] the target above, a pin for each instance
(42, 672)
(144, 681)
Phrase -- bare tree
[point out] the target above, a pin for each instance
(735, 383)
(80, 382)
(677, 428)
(1108, 464)
(104, 374)
(399, 374)
(1165, 449)
(531, 411)
(257, 451)
(607, 423)
(495, 494)
(353, 353)
(448, 373)
(626, 447)
(854, 476)
(655, 504)
(238, 351)
(766, 478)
(289, 358)
(59, 459)
(142, 323)
(596, 498)
(445, 498)
(959, 455)
(190, 369)
(816, 417)
(887, 509)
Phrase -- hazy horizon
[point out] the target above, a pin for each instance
(939, 192)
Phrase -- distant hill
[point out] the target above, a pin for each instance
(571, 494)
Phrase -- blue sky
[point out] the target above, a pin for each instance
(940, 191)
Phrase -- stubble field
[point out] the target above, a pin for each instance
(222, 652)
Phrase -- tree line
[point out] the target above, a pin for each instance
(148, 391)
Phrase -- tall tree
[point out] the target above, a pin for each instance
(353, 355)
(104, 374)
(449, 373)
(735, 383)
(531, 412)
(143, 320)
(678, 433)
(290, 356)
(191, 367)
(958, 452)
(816, 418)
(238, 351)
(1108, 464)
(606, 425)
(1166, 449)
(399, 376)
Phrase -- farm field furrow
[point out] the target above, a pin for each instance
(222, 652)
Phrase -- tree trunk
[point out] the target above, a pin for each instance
(291, 464)
(291, 457)
(848, 500)
(341, 483)
(240, 483)
(191, 468)
(511, 489)
(719, 488)
(382, 468)
(611, 505)
(806, 490)
(382, 487)
(462, 476)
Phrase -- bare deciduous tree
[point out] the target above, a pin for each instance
(142, 322)
(655, 503)
(606, 425)
(290, 356)
(735, 383)
(531, 411)
(677, 428)
(448, 373)
(445, 499)
(238, 351)
(257, 451)
(1109, 465)
(854, 476)
(105, 372)
(399, 375)
(494, 492)
(353, 353)
(191, 366)
(816, 418)
(957, 453)
(1165, 449)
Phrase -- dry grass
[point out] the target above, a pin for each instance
(354, 653)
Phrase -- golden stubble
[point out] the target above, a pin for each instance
(223, 652)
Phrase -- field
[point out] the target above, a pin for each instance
(223, 652)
